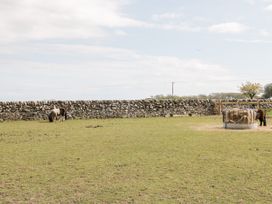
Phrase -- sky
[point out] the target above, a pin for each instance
(131, 49)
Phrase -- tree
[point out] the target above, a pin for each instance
(268, 91)
(251, 89)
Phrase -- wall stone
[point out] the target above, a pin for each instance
(38, 110)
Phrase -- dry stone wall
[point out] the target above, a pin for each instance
(38, 110)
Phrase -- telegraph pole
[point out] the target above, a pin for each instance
(173, 88)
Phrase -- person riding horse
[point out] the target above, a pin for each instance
(55, 113)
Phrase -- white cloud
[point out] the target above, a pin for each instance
(120, 33)
(251, 2)
(181, 27)
(269, 7)
(166, 16)
(176, 21)
(81, 71)
(251, 41)
(39, 19)
(264, 33)
(229, 27)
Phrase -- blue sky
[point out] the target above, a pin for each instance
(131, 49)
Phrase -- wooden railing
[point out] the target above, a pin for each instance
(258, 104)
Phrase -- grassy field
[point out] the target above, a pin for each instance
(156, 160)
(269, 113)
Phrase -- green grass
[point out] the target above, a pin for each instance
(269, 113)
(153, 160)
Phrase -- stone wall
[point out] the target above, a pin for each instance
(38, 110)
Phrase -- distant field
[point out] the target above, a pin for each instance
(153, 160)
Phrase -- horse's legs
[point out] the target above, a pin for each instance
(55, 118)
(264, 121)
(51, 117)
(261, 122)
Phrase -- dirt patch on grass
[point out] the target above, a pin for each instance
(221, 128)
(94, 126)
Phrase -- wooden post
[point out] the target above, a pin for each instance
(220, 107)
(258, 104)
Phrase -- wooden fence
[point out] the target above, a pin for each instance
(258, 104)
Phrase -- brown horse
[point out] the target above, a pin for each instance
(261, 116)
(55, 113)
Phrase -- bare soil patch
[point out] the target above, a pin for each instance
(213, 127)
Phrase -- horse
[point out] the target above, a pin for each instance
(261, 116)
(55, 113)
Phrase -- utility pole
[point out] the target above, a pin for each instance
(173, 88)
